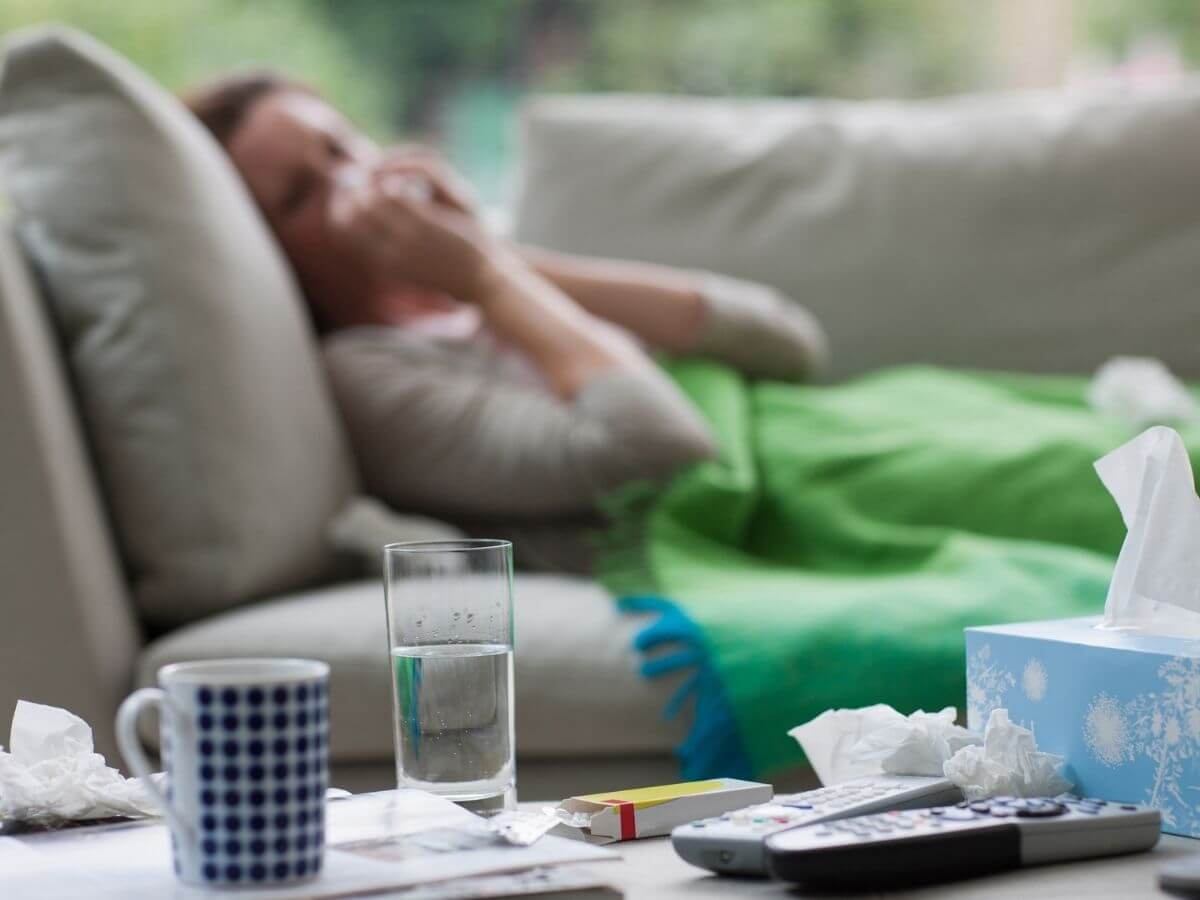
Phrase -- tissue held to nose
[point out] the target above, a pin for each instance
(51, 773)
(851, 743)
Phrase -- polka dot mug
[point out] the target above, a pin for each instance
(245, 748)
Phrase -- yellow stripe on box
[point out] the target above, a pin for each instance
(653, 796)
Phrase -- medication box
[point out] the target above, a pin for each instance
(1122, 708)
(652, 811)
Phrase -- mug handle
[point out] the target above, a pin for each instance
(130, 744)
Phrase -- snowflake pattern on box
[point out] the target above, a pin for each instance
(987, 683)
(1034, 680)
(1163, 727)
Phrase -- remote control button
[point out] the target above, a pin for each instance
(798, 805)
(904, 824)
(1095, 800)
(1004, 798)
(697, 824)
(1128, 807)
(938, 811)
(1002, 812)
(823, 832)
(981, 807)
(962, 805)
(954, 814)
(1044, 810)
(774, 809)
(1088, 810)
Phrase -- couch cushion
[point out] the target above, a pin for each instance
(1017, 232)
(215, 438)
(578, 689)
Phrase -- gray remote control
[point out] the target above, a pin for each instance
(733, 844)
(900, 849)
(1181, 877)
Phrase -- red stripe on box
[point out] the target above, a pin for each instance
(628, 825)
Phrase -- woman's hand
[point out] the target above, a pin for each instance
(406, 239)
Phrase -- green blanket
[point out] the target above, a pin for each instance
(834, 553)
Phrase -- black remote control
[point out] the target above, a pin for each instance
(898, 849)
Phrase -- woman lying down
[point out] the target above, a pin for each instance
(482, 381)
(816, 547)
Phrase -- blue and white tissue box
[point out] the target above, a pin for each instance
(1122, 708)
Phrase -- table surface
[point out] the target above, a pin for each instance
(649, 869)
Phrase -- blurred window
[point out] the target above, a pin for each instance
(453, 72)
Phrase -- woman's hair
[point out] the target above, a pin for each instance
(222, 105)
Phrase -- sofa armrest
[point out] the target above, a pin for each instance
(68, 636)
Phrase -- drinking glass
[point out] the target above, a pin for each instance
(450, 635)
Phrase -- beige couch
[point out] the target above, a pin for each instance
(1041, 233)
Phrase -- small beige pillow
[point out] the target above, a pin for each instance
(215, 438)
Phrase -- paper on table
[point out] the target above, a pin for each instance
(51, 773)
(1156, 582)
(132, 861)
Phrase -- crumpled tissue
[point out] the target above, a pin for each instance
(51, 774)
(842, 744)
(1156, 583)
(1141, 391)
(1008, 762)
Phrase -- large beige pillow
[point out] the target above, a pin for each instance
(1042, 232)
(213, 430)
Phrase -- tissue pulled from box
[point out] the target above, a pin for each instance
(1156, 582)
(1007, 763)
(842, 744)
(51, 773)
(1141, 391)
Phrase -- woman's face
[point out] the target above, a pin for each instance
(289, 150)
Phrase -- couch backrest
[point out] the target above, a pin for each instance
(1039, 232)
(68, 636)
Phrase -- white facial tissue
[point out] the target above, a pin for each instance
(1141, 391)
(1008, 762)
(842, 744)
(51, 775)
(1156, 583)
